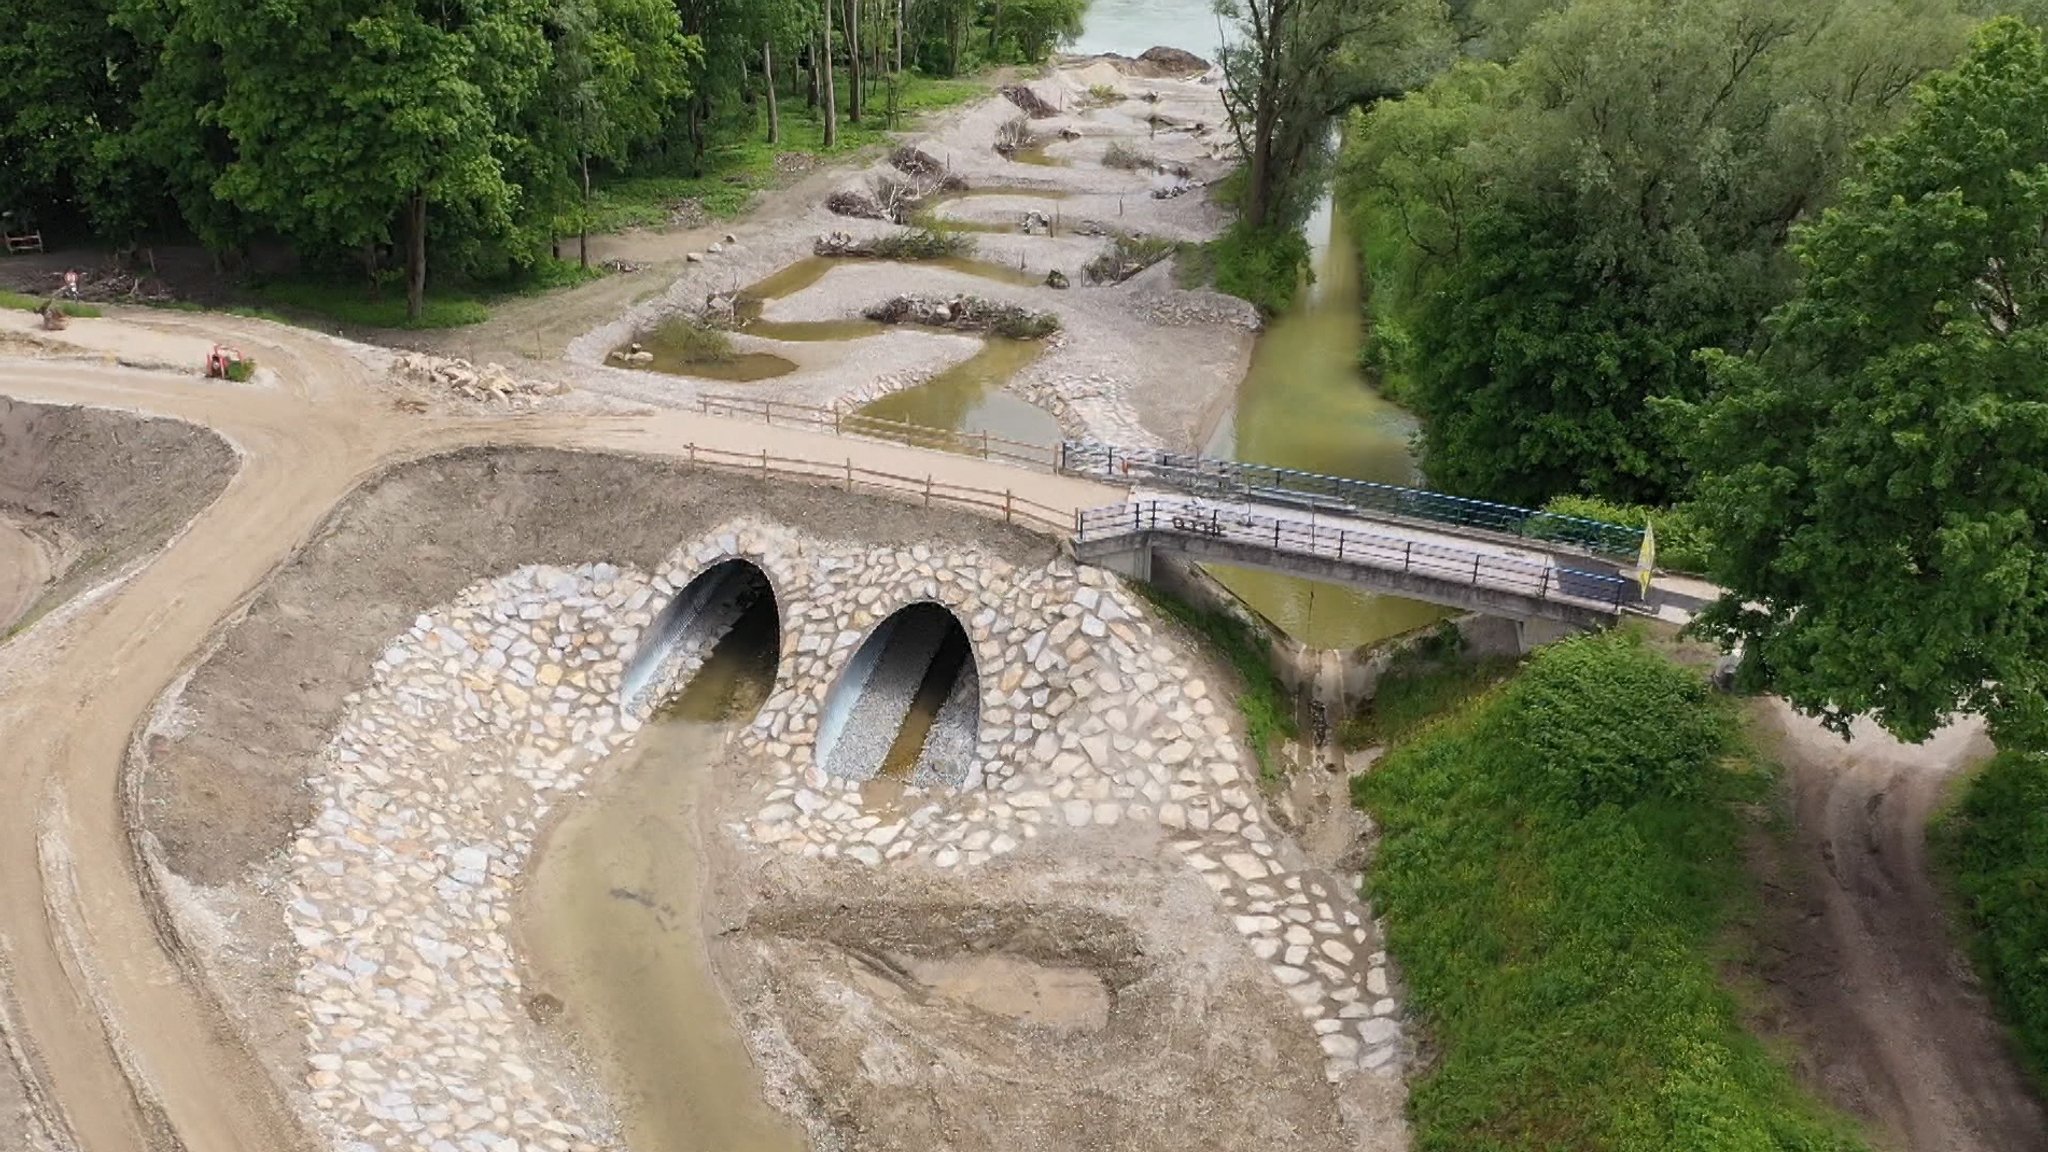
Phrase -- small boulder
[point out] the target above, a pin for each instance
(1055, 279)
(715, 249)
(693, 257)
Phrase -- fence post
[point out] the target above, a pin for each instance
(1408, 556)
(927, 489)
(1340, 543)
(984, 444)
(764, 464)
(693, 453)
(1543, 586)
(1006, 505)
(768, 412)
(849, 473)
(1276, 537)
(1475, 571)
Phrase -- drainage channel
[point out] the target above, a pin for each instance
(613, 918)
(907, 707)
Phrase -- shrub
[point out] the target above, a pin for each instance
(1993, 846)
(1122, 155)
(1263, 266)
(686, 340)
(1605, 720)
(1567, 964)
(921, 244)
(1125, 257)
(240, 371)
(1682, 544)
(1104, 94)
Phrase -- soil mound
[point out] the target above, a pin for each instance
(1174, 61)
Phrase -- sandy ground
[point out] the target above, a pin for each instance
(83, 493)
(1887, 1019)
(126, 1046)
(1172, 357)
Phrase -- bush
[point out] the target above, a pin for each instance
(1566, 964)
(1682, 544)
(1125, 257)
(1122, 155)
(240, 371)
(1993, 847)
(1604, 720)
(921, 244)
(1262, 266)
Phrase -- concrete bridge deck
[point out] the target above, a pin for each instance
(1455, 571)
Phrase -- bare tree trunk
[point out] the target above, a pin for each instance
(583, 218)
(416, 255)
(853, 62)
(768, 78)
(899, 33)
(827, 84)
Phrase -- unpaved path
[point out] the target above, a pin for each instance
(1889, 1023)
(134, 1057)
(24, 566)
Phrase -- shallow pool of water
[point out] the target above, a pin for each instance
(613, 923)
(681, 350)
(1304, 403)
(801, 274)
(969, 398)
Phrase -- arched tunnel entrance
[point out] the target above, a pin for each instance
(728, 611)
(908, 705)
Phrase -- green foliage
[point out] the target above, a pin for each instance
(1569, 225)
(920, 244)
(1421, 684)
(1267, 709)
(1605, 720)
(687, 342)
(1564, 960)
(1874, 479)
(240, 371)
(1262, 266)
(1682, 544)
(1993, 847)
(21, 302)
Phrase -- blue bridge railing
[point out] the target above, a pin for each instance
(1233, 480)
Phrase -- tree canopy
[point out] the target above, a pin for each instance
(1877, 475)
(1554, 235)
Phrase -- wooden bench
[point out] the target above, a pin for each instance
(24, 242)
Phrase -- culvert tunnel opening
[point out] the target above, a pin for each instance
(908, 705)
(728, 612)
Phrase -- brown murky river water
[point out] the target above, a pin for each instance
(614, 926)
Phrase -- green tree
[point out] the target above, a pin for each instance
(619, 68)
(1617, 198)
(70, 80)
(1875, 478)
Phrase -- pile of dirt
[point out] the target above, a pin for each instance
(86, 492)
(1034, 105)
(1174, 61)
(464, 379)
(966, 314)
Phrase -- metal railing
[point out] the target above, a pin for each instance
(1389, 553)
(1231, 479)
(840, 423)
(1012, 508)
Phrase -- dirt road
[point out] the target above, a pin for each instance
(1888, 1020)
(132, 1057)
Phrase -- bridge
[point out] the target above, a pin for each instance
(1466, 554)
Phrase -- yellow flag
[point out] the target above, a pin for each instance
(1646, 560)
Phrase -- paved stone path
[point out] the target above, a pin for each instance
(487, 710)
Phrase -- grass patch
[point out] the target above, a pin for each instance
(1103, 95)
(689, 342)
(22, 302)
(1264, 267)
(352, 304)
(1127, 156)
(1423, 682)
(734, 171)
(1992, 846)
(1267, 708)
(1560, 872)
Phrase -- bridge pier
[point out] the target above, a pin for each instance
(1531, 634)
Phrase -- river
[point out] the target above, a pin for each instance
(1304, 403)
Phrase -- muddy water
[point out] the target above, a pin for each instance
(613, 922)
(678, 353)
(795, 277)
(1305, 404)
(969, 397)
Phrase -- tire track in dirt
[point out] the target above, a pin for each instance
(1889, 1021)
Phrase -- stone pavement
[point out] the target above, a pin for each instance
(488, 710)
